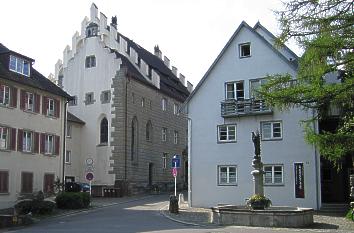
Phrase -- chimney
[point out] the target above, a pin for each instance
(166, 61)
(157, 52)
(182, 79)
(189, 86)
(174, 70)
(114, 22)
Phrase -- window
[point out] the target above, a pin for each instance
(4, 138)
(235, 90)
(133, 98)
(90, 61)
(69, 130)
(73, 102)
(164, 160)
(255, 85)
(271, 130)
(164, 134)
(68, 157)
(4, 181)
(29, 104)
(19, 65)
(104, 131)
(164, 104)
(142, 102)
(89, 98)
(227, 133)
(27, 142)
(26, 182)
(273, 174)
(48, 184)
(175, 137)
(134, 140)
(50, 109)
(245, 50)
(105, 97)
(4, 95)
(175, 109)
(149, 131)
(227, 175)
(49, 144)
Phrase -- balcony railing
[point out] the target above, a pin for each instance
(231, 108)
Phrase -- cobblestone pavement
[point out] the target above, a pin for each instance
(324, 222)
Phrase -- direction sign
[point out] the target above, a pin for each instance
(89, 176)
(176, 161)
(174, 172)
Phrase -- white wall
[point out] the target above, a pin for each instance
(79, 80)
(206, 154)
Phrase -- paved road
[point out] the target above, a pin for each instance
(136, 216)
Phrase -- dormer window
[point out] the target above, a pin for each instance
(19, 65)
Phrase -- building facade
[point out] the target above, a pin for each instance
(224, 109)
(31, 128)
(129, 100)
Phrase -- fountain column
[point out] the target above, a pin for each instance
(257, 164)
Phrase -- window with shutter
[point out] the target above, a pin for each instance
(36, 143)
(4, 181)
(4, 138)
(26, 182)
(19, 139)
(13, 97)
(48, 183)
(13, 139)
(37, 102)
(56, 145)
(4, 95)
(23, 99)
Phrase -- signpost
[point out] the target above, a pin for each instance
(89, 171)
(89, 177)
(176, 163)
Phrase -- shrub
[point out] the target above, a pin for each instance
(259, 202)
(24, 206)
(72, 200)
(34, 206)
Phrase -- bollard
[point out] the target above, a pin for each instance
(173, 208)
(180, 199)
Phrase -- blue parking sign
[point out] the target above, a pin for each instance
(176, 161)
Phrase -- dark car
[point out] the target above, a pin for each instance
(85, 187)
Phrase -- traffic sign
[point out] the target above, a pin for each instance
(174, 172)
(176, 161)
(89, 176)
(89, 161)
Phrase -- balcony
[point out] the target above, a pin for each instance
(247, 107)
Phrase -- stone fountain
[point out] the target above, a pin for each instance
(274, 216)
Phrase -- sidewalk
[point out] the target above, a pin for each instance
(329, 222)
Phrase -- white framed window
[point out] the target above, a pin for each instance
(164, 104)
(234, 90)
(73, 102)
(4, 138)
(164, 134)
(175, 109)
(89, 98)
(272, 130)
(245, 50)
(68, 157)
(175, 137)
(273, 174)
(90, 61)
(164, 160)
(50, 109)
(49, 144)
(29, 104)
(4, 95)
(69, 130)
(227, 175)
(255, 84)
(19, 65)
(227, 133)
(27, 142)
(105, 97)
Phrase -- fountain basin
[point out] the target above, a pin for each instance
(277, 216)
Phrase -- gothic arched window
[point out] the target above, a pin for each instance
(134, 140)
(149, 131)
(104, 131)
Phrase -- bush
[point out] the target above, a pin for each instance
(34, 206)
(258, 202)
(73, 200)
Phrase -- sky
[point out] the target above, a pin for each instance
(191, 33)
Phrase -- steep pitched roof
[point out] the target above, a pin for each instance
(169, 83)
(243, 24)
(73, 118)
(36, 80)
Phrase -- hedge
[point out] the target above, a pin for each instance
(73, 200)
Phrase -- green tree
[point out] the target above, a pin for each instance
(324, 30)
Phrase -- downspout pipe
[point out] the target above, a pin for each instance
(64, 139)
(315, 129)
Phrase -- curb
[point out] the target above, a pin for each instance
(179, 221)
